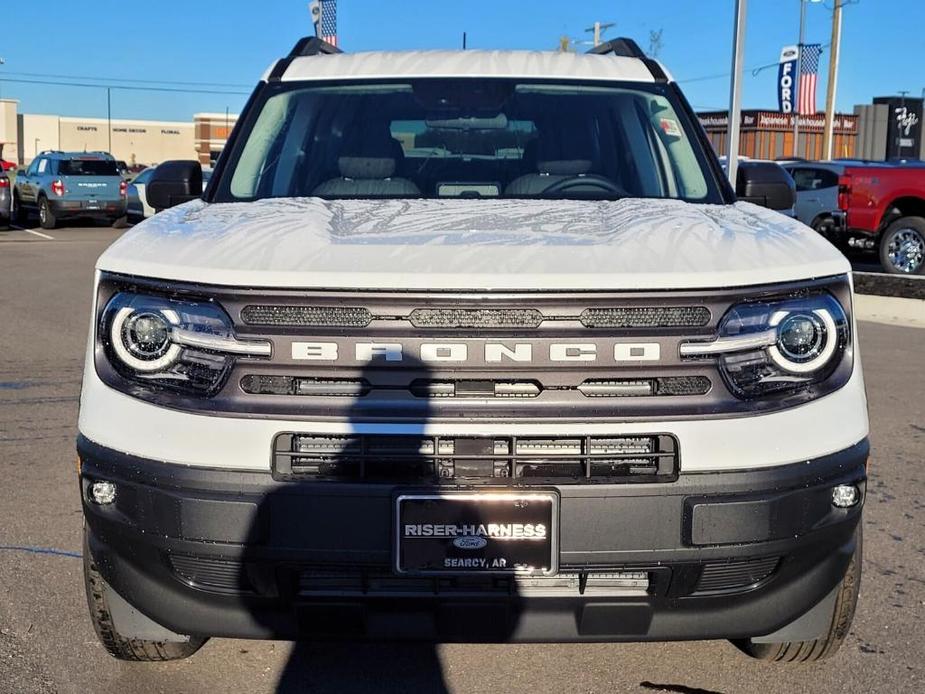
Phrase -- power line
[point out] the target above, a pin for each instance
(123, 79)
(3, 78)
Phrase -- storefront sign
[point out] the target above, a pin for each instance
(787, 78)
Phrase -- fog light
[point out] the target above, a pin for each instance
(845, 496)
(102, 493)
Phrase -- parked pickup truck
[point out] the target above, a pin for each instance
(885, 210)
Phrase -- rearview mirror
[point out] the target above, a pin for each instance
(765, 183)
(173, 183)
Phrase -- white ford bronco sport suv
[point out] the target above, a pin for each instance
(471, 346)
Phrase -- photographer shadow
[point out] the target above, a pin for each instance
(364, 641)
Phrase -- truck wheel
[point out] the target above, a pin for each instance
(902, 248)
(827, 645)
(117, 645)
(46, 216)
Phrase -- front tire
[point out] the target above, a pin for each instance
(827, 645)
(902, 248)
(117, 645)
(47, 219)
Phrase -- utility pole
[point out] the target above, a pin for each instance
(799, 82)
(109, 116)
(598, 29)
(829, 136)
(735, 91)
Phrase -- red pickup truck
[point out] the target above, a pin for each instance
(885, 208)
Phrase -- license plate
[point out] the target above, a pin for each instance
(93, 205)
(490, 532)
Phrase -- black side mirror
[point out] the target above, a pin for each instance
(765, 183)
(174, 182)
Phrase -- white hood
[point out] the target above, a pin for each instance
(473, 244)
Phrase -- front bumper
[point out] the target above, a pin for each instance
(223, 553)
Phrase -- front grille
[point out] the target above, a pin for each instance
(475, 318)
(630, 388)
(647, 317)
(735, 575)
(306, 316)
(498, 459)
(358, 582)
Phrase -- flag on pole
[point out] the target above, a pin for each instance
(329, 21)
(809, 71)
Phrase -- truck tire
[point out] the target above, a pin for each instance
(119, 646)
(827, 645)
(902, 247)
(47, 218)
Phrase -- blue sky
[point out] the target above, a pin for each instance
(232, 41)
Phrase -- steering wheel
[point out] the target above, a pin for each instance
(600, 182)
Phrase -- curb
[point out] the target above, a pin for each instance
(882, 284)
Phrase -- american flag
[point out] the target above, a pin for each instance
(329, 21)
(809, 69)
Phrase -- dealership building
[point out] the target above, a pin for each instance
(137, 142)
(769, 134)
(888, 128)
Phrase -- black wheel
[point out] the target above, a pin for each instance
(827, 645)
(47, 218)
(117, 645)
(902, 248)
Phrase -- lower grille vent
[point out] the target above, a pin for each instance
(494, 459)
(344, 581)
(735, 575)
(211, 574)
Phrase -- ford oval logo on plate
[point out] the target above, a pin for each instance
(470, 542)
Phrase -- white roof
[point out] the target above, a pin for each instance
(538, 64)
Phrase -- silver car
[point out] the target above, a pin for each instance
(817, 194)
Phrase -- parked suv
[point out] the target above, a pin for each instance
(471, 346)
(65, 185)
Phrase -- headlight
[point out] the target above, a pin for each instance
(181, 345)
(778, 346)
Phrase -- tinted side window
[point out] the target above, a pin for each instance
(43, 166)
(814, 179)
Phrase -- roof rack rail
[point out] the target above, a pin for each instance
(623, 47)
(304, 47)
(627, 48)
(312, 45)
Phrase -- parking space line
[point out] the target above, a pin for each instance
(39, 233)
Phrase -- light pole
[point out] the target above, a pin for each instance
(831, 88)
(735, 91)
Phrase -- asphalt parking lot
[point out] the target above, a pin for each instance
(47, 642)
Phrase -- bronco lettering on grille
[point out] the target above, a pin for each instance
(461, 352)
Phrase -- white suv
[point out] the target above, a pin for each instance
(471, 346)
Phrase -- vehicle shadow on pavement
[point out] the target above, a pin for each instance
(364, 631)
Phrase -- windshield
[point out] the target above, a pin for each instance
(87, 167)
(467, 138)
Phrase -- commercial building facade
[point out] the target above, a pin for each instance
(769, 134)
(137, 142)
